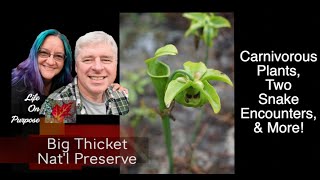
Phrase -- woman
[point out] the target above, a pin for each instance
(47, 68)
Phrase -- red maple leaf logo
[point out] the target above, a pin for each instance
(60, 112)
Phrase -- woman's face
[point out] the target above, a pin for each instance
(51, 56)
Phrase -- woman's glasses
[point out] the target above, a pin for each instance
(46, 54)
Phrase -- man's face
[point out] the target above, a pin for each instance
(96, 67)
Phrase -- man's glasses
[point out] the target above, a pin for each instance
(45, 54)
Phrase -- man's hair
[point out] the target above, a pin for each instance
(28, 70)
(96, 37)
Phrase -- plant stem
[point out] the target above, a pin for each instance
(197, 125)
(167, 135)
(167, 138)
(207, 55)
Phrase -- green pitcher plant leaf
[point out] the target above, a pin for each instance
(212, 96)
(219, 22)
(166, 50)
(193, 28)
(194, 16)
(175, 87)
(208, 34)
(159, 71)
(216, 75)
(196, 70)
(195, 91)
(205, 26)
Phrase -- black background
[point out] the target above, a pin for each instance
(283, 29)
(259, 27)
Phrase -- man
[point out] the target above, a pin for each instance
(93, 89)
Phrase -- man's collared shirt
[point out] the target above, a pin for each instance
(116, 101)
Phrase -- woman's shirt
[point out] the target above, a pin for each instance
(25, 101)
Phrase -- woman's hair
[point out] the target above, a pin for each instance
(96, 37)
(28, 70)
